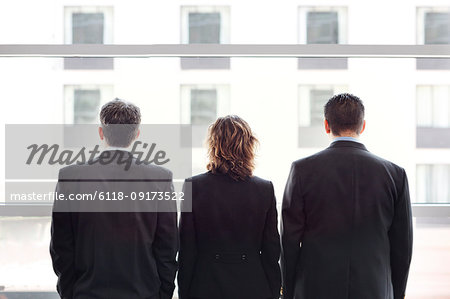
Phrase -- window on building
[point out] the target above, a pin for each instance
(317, 100)
(88, 25)
(322, 25)
(433, 27)
(433, 106)
(437, 28)
(433, 183)
(201, 105)
(85, 106)
(82, 103)
(433, 116)
(204, 28)
(87, 28)
(205, 25)
(312, 99)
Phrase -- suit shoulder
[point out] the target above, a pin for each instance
(197, 178)
(265, 187)
(310, 159)
(328, 154)
(70, 171)
(207, 176)
(158, 171)
(202, 177)
(391, 166)
(260, 181)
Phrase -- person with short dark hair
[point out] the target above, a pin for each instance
(119, 123)
(346, 217)
(229, 243)
(344, 114)
(114, 254)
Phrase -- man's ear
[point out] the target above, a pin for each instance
(100, 133)
(137, 135)
(363, 127)
(327, 126)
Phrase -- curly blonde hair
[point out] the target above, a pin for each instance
(231, 147)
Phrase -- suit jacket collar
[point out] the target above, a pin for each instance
(342, 143)
(117, 151)
(113, 155)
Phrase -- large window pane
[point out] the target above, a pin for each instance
(284, 107)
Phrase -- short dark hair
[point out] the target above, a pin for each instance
(120, 122)
(344, 112)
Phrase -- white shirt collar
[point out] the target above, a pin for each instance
(346, 138)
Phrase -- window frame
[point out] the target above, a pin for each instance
(223, 99)
(431, 167)
(106, 94)
(304, 101)
(420, 20)
(224, 12)
(431, 106)
(302, 13)
(108, 29)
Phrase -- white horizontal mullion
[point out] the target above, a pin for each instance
(223, 50)
(418, 210)
(431, 210)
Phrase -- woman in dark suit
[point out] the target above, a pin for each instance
(229, 243)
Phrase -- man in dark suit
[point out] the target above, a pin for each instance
(114, 251)
(346, 217)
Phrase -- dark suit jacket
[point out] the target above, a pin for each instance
(229, 243)
(114, 254)
(351, 212)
